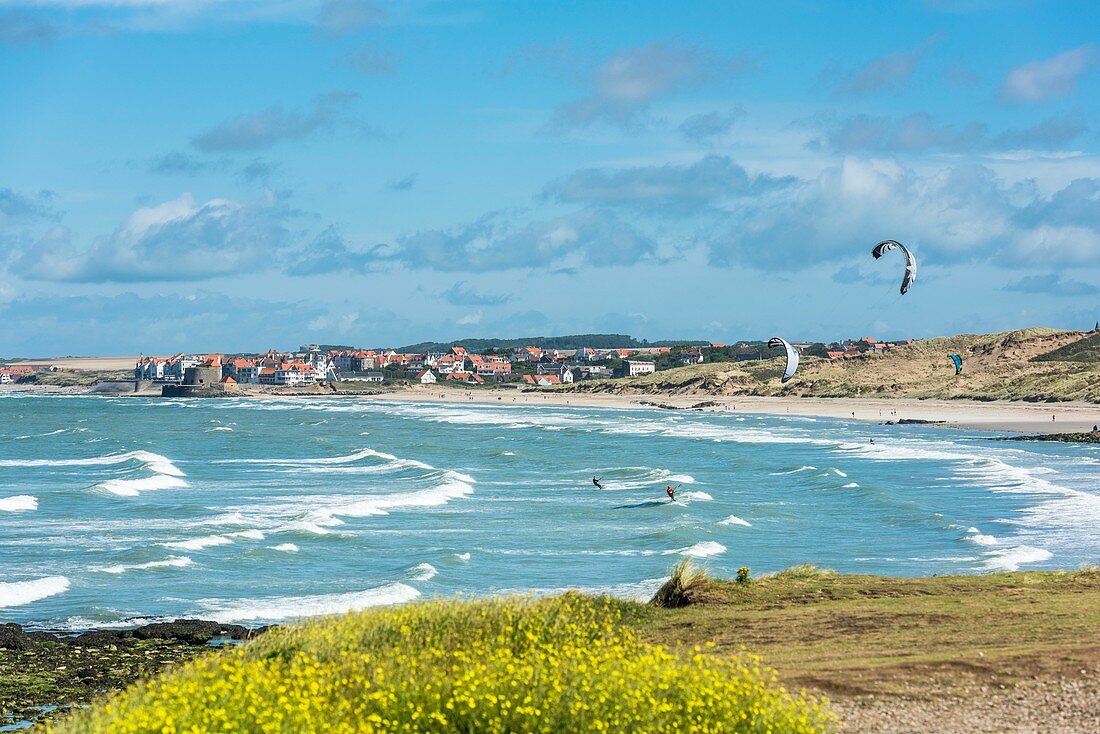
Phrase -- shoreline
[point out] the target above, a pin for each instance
(1070, 417)
(992, 416)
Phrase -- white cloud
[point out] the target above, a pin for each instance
(1038, 81)
(176, 240)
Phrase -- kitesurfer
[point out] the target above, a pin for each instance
(596, 481)
(671, 492)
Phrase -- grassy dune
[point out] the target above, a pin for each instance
(1028, 364)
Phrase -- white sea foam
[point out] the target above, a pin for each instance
(462, 556)
(849, 485)
(51, 433)
(19, 503)
(18, 593)
(691, 495)
(423, 572)
(219, 428)
(978, 538)
(1010, 559)
(229, 518)
(153, 462)
(278, 608)
(285, 548)
(134, 487)
(734, 520)
(509, 453)
(839, 473)
(249, 534)
(704, 549)
(195, 544)
(453, 486)
(169, 562)
(306, 526)
(794, 471)
(638, 477)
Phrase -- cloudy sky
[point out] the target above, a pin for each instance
(237, 174)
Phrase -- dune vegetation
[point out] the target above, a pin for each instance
(1026, 364)
(568, 663)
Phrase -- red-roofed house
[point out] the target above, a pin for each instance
(427, 377)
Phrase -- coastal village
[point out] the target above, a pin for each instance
(529, 366)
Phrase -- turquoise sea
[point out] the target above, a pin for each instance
(253, 511)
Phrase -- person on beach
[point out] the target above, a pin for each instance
(671, 492)
(596, 481)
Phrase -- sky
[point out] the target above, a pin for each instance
(235, 175)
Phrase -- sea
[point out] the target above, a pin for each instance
(119, 511)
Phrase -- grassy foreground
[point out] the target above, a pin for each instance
(952, 651)
(569, 663)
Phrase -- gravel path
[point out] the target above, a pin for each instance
(1046, 707)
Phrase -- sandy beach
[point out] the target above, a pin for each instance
(998, 416)
(992, 416)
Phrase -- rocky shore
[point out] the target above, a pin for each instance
(1083, 437)
(43, 672)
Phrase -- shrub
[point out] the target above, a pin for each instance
(743, 575)
(561, 664)
(677, 591)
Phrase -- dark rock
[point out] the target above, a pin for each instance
(12, 637)
(98, 638)
(193, 631)
(917, 422)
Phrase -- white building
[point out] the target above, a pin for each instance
(633, 368)
(427, 377)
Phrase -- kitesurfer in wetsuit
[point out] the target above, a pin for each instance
(671, 492)
(596, 481)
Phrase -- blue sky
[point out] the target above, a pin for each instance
(232, 175)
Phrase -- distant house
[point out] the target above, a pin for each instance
(834, 354)
(529, 354)
(374, 377)
(427, 377)
(693, 355)
(228, 383)
(633, 368)
(6, 377)
(470, 378)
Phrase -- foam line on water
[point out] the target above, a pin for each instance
(154, 462)
(423, 572)
(279, 608)
(454, 485)
(196, 544)
(18, 593)
(735, 520)
(169, 562)
(134, 487)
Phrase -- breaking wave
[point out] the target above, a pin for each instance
(169, 562)
(19, 503)
(18, 593)
(276, 609)
(705, 549)
(735, 520)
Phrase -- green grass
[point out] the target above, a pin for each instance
(569, 663)
(840, 634)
